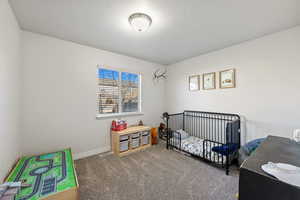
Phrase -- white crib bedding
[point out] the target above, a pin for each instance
(194, 145)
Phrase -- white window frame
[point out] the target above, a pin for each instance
(120, 114)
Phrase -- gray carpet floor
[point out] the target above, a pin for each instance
(153, 174)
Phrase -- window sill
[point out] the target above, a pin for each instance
(103, 116)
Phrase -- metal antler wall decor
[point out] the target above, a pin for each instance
(159, 74)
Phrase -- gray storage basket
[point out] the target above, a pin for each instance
(135, 142)
(124, 137)
(124, 145)
(135, 135)
(145, 138)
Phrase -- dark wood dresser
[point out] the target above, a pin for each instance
(255, 184)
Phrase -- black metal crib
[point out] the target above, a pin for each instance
(212, 137)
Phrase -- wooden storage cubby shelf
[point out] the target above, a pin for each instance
(117, 135)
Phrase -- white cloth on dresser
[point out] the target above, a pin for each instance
(285, 172)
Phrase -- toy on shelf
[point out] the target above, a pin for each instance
(141, 123)
(118, 125)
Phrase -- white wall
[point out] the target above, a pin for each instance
(59, 95)
(267, 93)
(9, 88)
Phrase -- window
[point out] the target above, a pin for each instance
(119, 92)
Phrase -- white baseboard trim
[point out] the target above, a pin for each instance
(81, 155)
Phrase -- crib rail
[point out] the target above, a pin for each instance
(220, 133)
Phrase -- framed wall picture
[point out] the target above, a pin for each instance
(227, 78)
(194, 83)
(209, 81)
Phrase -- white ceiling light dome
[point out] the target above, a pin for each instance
(140, 21)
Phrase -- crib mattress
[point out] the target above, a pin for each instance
(194, 145)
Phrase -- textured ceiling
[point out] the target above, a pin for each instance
(180, 30)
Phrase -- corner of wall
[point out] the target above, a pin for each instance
(10, 40)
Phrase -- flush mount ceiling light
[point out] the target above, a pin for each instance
(140, 21)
